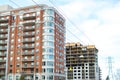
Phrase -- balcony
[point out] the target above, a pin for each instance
(28, 34)
(3, 48)
(29, 23)
(2, 67)
(28, 47)
(4, 20)
(3, 42)
(28, 73)
(4, 25)
(28, 60)
(28, 40)
(2, 73)
(3, 31)
(29, 17)
(28, 53)
(29, 28)
(3, 37)
(29, 66)
(3, 55)
(2, 61)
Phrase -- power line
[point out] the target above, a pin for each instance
(66, 29)
(14, 3)
(71, 21)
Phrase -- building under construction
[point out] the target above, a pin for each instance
(81, 62)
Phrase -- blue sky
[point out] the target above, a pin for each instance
(98, 20)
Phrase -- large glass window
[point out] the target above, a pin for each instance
(50, 70)
(50, 77)
(50, 63)
(48, 18)
(48, 30)
(48, 37)
(49, 12)
(48, 56)
(49, 24)
(49, 50)
(48, 43)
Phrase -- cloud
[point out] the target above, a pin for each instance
(100, 20)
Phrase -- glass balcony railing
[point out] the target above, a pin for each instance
(29, 23)
(29, 17)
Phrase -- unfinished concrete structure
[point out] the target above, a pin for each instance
(81, 62)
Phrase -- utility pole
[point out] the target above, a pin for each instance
(110, 68)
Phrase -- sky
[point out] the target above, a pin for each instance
(94, 22)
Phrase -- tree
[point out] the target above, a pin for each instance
(22, 77)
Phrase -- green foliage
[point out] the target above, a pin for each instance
(22, 77)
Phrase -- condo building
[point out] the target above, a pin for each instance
(81, 62)
(32, 41)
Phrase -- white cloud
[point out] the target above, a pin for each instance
(100, 20)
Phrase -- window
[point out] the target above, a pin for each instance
(37, 57)
(48, 44)
(32, 64)
(37, 63)
(48, 18)
(37, 50)
(49, 50)
(18, 65)
(43, 63)
(49, 12)
(37, 31)
(37, 25)
(25, 57)
(48, 30)
(12, 35)
(48, 56)
(32, 57)
(18, 40)
(48, 37)
(37, 37)
(11, 58)
(50, 77)
(43, 70)
(49, 70)
(12, 40)
(50, 63)
(13, 29)
(38, 13)
(12, 46)
(11, 52)
(37, 44)
(17, 77)
(43, 77)
(48, 24)
(18, 58)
